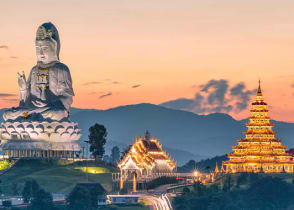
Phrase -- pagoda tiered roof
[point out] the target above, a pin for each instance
(258, 140)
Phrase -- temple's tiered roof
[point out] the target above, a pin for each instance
(144, 152)
(259, 150)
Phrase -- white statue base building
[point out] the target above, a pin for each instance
(40, 139)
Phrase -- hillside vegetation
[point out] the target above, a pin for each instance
(246, 191)
(57, 176)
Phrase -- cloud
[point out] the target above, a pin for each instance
(4, 95)
(10, 99)
(215, 96)
(105, 95)
(106, 81)
(7, 97)
(136, 86)
(3, 47)
(91, 83)
(239, 91)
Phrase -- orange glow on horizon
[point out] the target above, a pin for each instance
(131, 52)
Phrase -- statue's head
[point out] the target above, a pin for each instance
(47, 43)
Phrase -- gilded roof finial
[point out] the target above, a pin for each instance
(259, 88)
(147, 135)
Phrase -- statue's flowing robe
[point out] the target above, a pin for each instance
(59, 93)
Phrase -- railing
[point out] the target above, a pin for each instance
(125, 177)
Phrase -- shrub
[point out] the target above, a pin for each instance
(7, 203)
(161, 181)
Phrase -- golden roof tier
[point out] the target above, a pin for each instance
(146, 157)
(260, 150)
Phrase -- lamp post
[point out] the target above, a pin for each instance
(83, 152)
(73, 153)
(87, 175)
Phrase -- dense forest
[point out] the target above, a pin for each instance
(238, 192)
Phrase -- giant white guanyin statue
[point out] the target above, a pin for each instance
(45, 96)
(47, 92)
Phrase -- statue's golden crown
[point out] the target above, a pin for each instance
(47, 31)
(43, 34)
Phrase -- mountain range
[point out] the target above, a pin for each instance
(184, 135)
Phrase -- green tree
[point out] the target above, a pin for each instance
(30, 190)
(253, 178)
(186, 190)
(227, 183)
(15, 189)
(214, 188)
(79, 199)
(115, 154)
(85, 196)
(42, 200)
(97, 140)
(181, 202)
(271, 192)
(199, 188)
(241, 179)
(161, 181)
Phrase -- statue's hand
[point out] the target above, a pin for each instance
(22, 83)
(39, 103)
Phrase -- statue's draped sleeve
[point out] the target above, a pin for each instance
(64, 89)
(24, 94)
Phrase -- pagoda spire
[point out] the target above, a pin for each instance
(259, 96)
(223, 169)
(216, 168)
(259, 93)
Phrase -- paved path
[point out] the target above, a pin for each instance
(158, 202)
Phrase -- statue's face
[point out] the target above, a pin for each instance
(46, 51)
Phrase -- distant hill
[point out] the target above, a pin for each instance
(206, 165)
(185, 135)
(202, 135)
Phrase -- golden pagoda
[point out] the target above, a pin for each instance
(216, 170)
(259, 151)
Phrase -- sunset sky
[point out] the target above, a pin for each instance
(133, 51)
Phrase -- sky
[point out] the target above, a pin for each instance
(200, 56)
